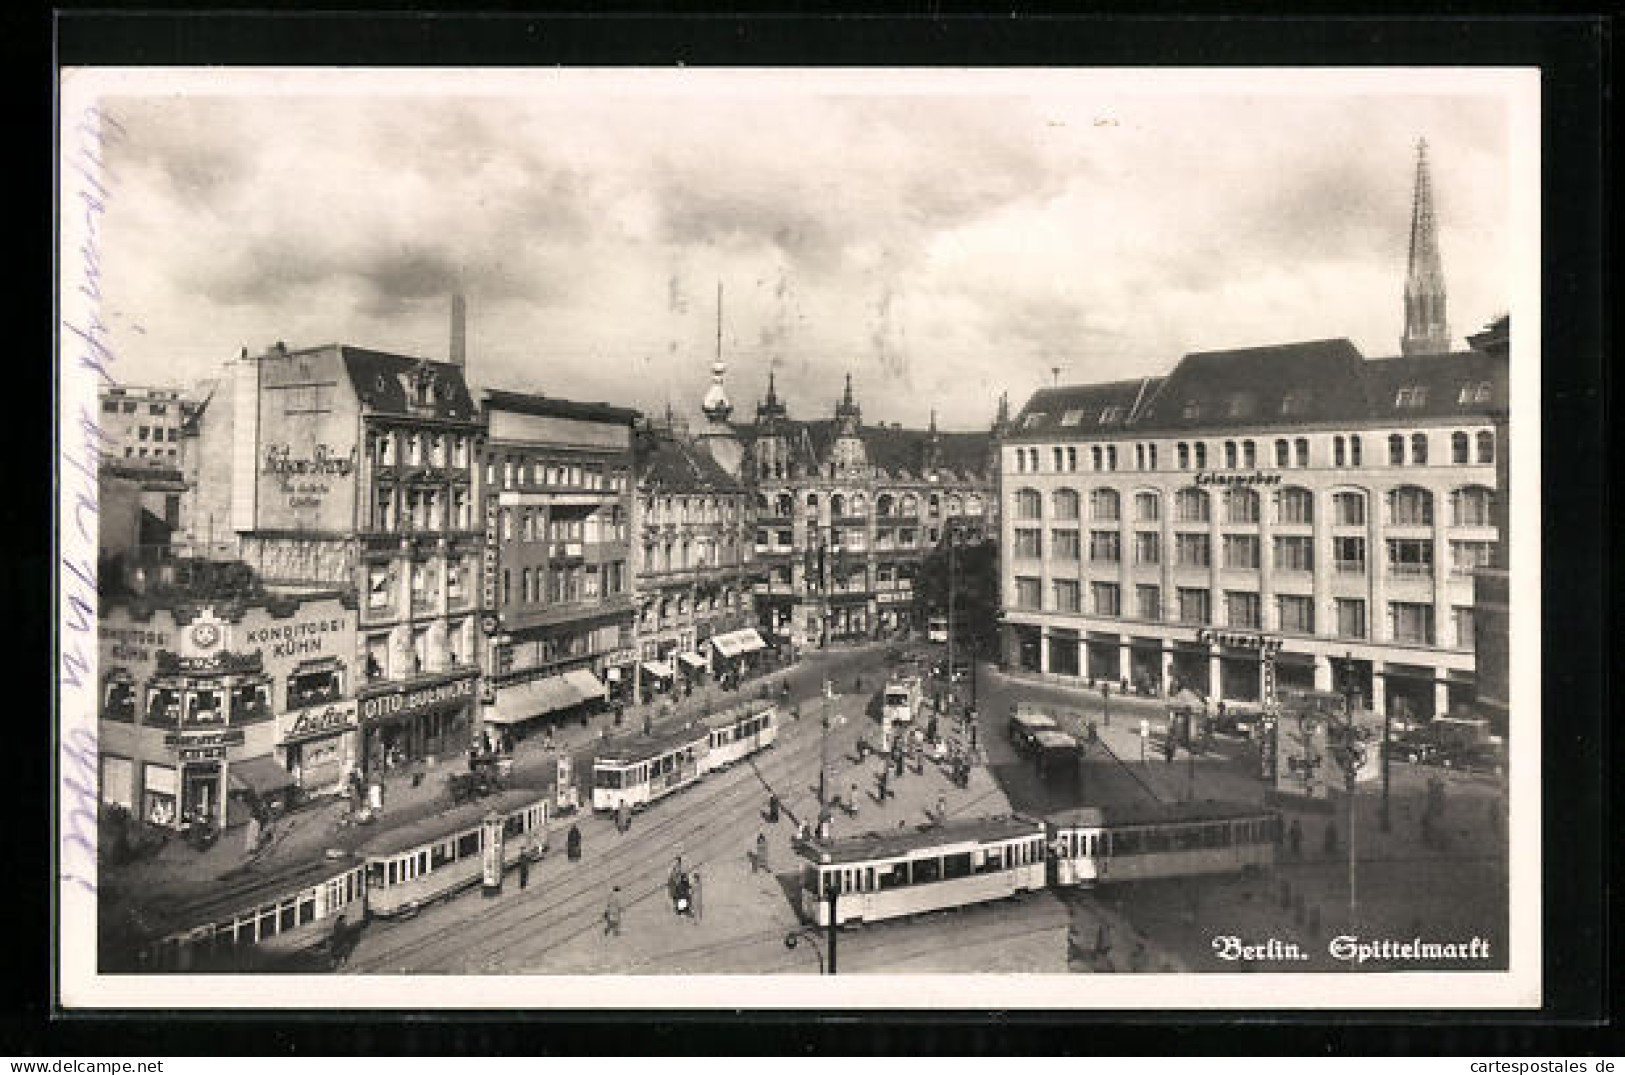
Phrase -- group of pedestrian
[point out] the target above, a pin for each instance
(683, 886)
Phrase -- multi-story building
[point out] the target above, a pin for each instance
(1492, 596)
(695, 526)
(204, 695)
(341, 467)
(1295, 499)
(846, 513)
(142, 426)
(557, 582)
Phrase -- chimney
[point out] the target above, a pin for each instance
(459, 331)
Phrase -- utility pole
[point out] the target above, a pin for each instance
(834, 929)
(823, 753)
(953, 541)
(1343, 743)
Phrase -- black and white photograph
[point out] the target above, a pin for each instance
(756, 538)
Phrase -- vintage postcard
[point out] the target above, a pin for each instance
(799, 538)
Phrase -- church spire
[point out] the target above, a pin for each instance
(1426, 330)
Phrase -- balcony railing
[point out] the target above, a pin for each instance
(1410, 571)
(1348, 567)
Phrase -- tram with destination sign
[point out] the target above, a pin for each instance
(894, 874)
(736, 734)
(1146, 841)
(437, 857)
(256, 919)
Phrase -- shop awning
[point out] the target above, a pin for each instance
(586, 685)
(522, 701)
(693, 660)
(744, 640)
(1187, 698)
(262, 776)
(660, 669)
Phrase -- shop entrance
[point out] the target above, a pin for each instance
(1103, 661)
(1239, 677)
(1145, 668)
(1028, 640)
(1409, 692)
(1190, 671)
(1063, 652)
(1294, 672)
(200, 792)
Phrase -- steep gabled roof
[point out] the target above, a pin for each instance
(1078, 409)
(1313, 381)
(553, 407)
(667, 462)
(378, 380)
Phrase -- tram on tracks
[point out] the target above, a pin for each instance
(644, 769)
(1145, 841)
(262, 918)
(737, 733)
(900, 703)
(891, 875)
(437, 857)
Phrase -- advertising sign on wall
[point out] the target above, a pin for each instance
(316, 721)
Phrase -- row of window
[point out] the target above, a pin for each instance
(668, 609)
(1408, 622)
(1347, 451)
(391, 448)
(411, 508)
(157, 453)
(517, 470)
(424, 582)
(1408, 505)
(1243, 552)
(682, 509)
(173, 702)
(887, 505)
(111, 406)
(563, 585)
(699, 554)
(415, 655)
(159, 434)
(537, 524)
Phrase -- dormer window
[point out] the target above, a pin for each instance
(1415, 395)
(1072, 418)
(1191, 411)
(1475, 393)
(1295, 402)
(1241, 405)
(1032, 420)
(1111, 415)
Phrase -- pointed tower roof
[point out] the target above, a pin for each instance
(1426, 329)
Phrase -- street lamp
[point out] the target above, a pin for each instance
(1345, 744)
(793, 938)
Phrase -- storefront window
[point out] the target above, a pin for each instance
(118, 698)
(251, 701)
(206, 705)
(164, 706)
(314, 687)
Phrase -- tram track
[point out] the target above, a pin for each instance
(582, 894)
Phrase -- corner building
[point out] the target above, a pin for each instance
(338, 467)
(1168, 532)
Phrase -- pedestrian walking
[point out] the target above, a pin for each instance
(524, 871)
(695, 907)
(760, 861)
(881, 781)
(612, 913)
(672, 877)
(572, 844)
(623, 816)
(942, 809)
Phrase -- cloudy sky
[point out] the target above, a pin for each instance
(942, 239)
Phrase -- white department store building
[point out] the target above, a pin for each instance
(1165, 532)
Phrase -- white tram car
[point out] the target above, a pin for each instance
(737, 733)
(1144, 841)
(644, 769)
(440, 856)
(890, 875)
(283, 915)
